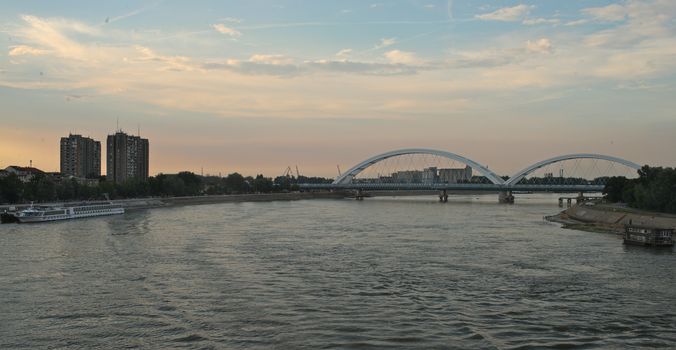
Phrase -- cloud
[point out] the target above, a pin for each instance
(232, 20)
(385, 42)
(365, 68)
(507, 14)
(537, 21)
(542, 45)
(271, 59)
(94, 61)
(344, 53)
(21, 50)
(174, 63)
(577, 22)
(52, 35)
(610, 13)
(132, 13)
(221, 28)
(277, 65)
(401, 57)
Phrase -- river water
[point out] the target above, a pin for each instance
(383, 273)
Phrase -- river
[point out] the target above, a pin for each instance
(380, 273)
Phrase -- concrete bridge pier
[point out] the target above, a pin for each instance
(506, 197)
(580, 198)
(359, 195)
(443, 196)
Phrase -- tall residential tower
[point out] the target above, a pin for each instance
(127, 157)
(80, 156)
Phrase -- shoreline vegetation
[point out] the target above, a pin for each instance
(46, 188)
(163, 202)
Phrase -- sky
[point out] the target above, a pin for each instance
(256, 86)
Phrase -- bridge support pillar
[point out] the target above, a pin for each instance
(580, 198)
(443, 196)
(506, 197)
(359, 195)
(560, 202)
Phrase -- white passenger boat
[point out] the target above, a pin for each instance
(85, 210)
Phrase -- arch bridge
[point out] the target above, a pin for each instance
(395, 171)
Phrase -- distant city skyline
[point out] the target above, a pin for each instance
(256, 86)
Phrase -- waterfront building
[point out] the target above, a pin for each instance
(80, 156)
(452, 176)
(127, 157)
(430, 175)
(407, 176)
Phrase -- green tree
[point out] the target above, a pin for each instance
(614, 188)
(11, 189)
(262, 184)
(235, 183)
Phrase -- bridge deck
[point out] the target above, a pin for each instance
(452, 187)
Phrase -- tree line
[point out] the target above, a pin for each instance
(654, 189)
(44, 188)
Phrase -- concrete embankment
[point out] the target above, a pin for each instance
(160, 202)
(610, 218)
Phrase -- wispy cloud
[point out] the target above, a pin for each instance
(610, 13)
(21, 50)
(507, 14)
(542, 45)
(538, 21)
(385, 42)
(231, 32)
(232, 20)
(133, 13)
(344, 53)
(401, 57)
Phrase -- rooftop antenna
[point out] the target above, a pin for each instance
(117, 126)
(31, 163)
(139, 130)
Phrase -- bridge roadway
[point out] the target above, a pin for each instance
(453, 187)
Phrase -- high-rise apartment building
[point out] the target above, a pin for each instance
(127, 157)
(80, 156)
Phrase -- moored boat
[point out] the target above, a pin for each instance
(648, 236)
(43, 214)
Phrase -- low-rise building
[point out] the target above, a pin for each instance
(452, 176)
(24, 173)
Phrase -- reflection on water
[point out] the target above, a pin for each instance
(382, 273)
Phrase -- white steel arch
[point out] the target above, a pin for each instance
(514, 179)
(347, 177)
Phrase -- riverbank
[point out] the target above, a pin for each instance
(610, 218)
(162, 202)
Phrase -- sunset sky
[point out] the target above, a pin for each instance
(255, 86)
